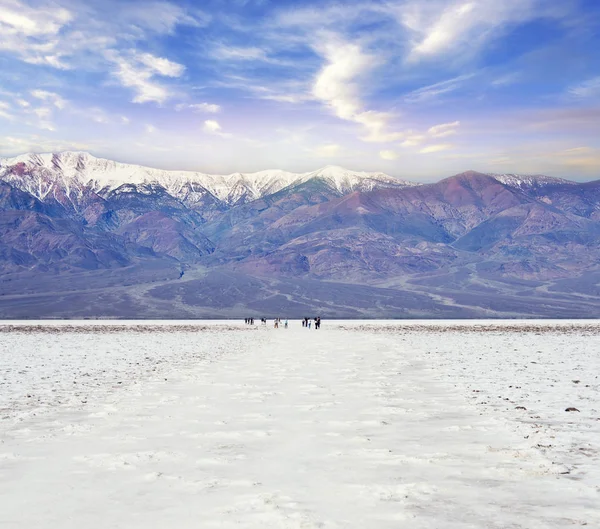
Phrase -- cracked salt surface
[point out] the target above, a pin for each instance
(357, 425)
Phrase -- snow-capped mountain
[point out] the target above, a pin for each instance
(345, 181)
(520, 181)
(70, 174)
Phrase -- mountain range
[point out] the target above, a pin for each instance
(82, 236)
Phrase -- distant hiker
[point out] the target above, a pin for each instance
(276, 323)
(286, 324)
(309, 324)
(180, 274)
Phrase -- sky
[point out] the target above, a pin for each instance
(419, 89)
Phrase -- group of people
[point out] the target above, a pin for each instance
(306, 322)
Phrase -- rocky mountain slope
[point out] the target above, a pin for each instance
(469, 240)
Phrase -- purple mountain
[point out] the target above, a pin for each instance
(151, 243)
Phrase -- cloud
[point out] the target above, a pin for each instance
(443, 130)
(199, 108)
(558, 160)
(138, 72)
(160, 65)
(212, 126)
(239, 53)
(432, 91)
(4, 111)
(506, 80)
(436, 148)
(388, 155)
(575, 151)
(31, 33)
(589, 88)
(50, 97)
(337, 85)
(150, 129)
(413, 140)
(159, 17)
(461, 27)
(327, 150)
(13, 145)
(283, 91)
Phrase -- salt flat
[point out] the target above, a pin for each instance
(357, 425)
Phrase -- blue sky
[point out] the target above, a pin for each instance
(419, 89)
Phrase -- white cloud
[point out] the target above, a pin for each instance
(44, 115)
(575, 151)
(442, 27)
(50, 97)
(436, 148)
(284, 91)
(209, 108)
(42, 112)
(337, 85)
(159, 17)
(150, 129)
(12, 145)
(160, 65)
(432, 91)
(589, 88)
(241, 54)
(125, 120)
(506, 80)
(138, 72)
(44, 33)
(413, 140)
(4, 111)
(210, 125)
(18, 18)
(327, 150)
(213, 127)
(443, 130)
(388, 155)
(31, 33)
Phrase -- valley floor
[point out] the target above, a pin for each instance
(357, 425)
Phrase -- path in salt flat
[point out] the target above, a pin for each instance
(286, 429)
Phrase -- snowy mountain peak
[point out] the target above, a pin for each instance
(528, 181)
(51, 173)
(346, 181)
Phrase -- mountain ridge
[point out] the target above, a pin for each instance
(471, 244)
(78, 169)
